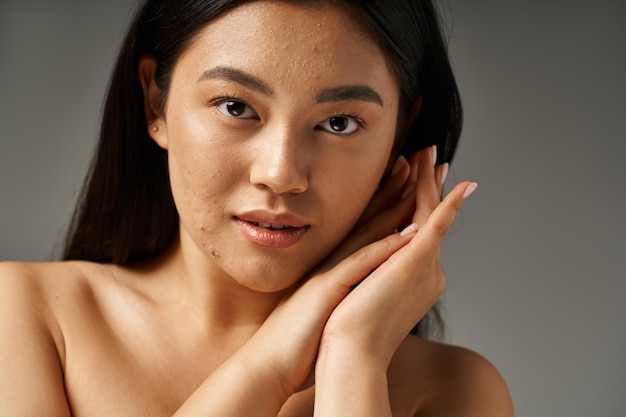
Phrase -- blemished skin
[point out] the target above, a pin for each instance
(279, 123)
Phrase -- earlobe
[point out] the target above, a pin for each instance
(152, 95)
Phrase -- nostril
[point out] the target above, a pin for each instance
(279, 175)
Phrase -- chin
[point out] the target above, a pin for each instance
(266, 284)
(268, 278)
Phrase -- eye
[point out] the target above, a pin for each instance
(234, 108)
(341, 124)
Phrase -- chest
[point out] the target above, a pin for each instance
(105, 378)
(106, 375)
(128, 365)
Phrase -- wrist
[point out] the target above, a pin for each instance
(350, 381)
(266, 371)
(369, 350)
(337, 353)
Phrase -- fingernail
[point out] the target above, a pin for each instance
(469, 190)
(444, 173)
(434, 154)
(398, 165)
(408, 189)
(412, 228)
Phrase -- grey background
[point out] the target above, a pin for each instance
(536, 262)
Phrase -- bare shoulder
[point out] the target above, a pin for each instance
(33, 294)
(32, 342)
(37, 294)
(443, 380)
(35, 287)
(26, 288)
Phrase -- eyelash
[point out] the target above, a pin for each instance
(353, 116)
(224, 98)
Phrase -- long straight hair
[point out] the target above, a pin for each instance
(126, 213)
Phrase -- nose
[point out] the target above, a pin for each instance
(278, 163)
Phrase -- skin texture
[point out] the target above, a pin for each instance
(222, 325)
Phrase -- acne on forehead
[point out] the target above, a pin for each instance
(293, 49)
(267, 32)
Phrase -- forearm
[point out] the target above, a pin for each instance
(349, 383)
(243, 386)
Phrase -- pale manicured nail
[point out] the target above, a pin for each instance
(445, 168)
(412, 228)
(434, 154)
(469, 190)
(408, 189)
(398, 165)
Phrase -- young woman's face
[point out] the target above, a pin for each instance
(279, 123)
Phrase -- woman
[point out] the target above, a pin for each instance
(234, 252)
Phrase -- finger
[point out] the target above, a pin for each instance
(413, 163)
(422, 251)
(439, 222)
(389, 192)
(353, 269)
(428, 195)
(441, 173)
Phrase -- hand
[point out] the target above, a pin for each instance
(378, 314)
(364, 331)
(295, 326)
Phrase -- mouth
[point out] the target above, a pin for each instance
(271, 230)
(273, 226)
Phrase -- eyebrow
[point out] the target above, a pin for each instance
(342, 93)
(232, 74)
(349, 92)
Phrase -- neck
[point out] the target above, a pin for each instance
(185, 281)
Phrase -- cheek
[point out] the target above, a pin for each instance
(362, 178)
(350, 186)
(201, 173)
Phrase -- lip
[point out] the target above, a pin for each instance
(249, 224)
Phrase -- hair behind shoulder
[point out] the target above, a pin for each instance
(125, 211)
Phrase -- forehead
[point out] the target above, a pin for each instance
(290, 41)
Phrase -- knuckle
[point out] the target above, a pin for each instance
(362, 255)
(440, 230)
(439, 284)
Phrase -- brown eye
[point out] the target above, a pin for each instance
(338, 124)
(236, 109)
(343, 125)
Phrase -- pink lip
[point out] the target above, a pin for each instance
(248, 223)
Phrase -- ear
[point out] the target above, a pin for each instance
(401, 134)
(153, 101)
(415, 111)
